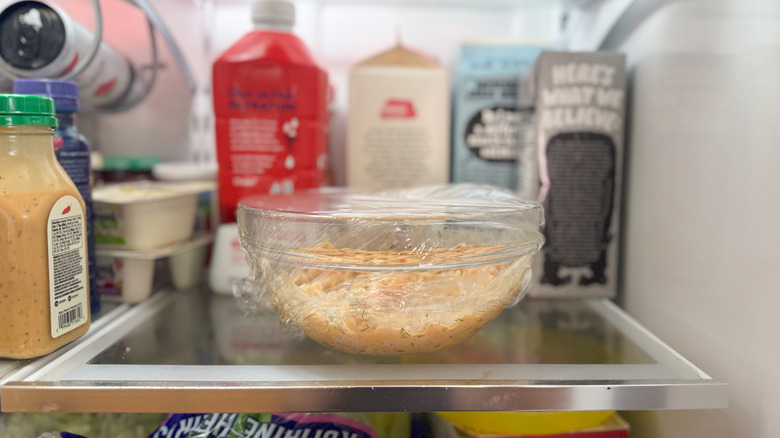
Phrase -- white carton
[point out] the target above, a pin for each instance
(399, 122)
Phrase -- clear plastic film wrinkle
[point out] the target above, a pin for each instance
(393, 272)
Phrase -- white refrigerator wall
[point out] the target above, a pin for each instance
(702, 217)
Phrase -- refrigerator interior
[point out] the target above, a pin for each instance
(702, 167)
(338, 33)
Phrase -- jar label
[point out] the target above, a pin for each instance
(68, 279)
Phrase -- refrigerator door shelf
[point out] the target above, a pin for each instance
(195, 351)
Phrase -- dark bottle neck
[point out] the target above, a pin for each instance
(65, 120)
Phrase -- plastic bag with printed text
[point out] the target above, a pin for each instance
(350, 425)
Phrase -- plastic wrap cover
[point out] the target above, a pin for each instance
(393, 272)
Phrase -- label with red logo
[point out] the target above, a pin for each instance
(398, 133)
(68, 276)
(398, 109)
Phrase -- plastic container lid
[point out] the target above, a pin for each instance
(64, 93)
(273, 12)
(436, 202)
(419, 219)
(17, 109)
(185, 171)
(142, 191)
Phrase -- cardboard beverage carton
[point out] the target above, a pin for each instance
(493, 111)
(399, 125)
(580, 113)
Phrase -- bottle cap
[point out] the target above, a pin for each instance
(19, 109)
(278, 13)
(64, 93)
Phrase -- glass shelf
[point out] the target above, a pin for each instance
(194, 351)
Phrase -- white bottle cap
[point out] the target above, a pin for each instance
(273, 13)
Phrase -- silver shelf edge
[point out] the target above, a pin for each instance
(237, 397)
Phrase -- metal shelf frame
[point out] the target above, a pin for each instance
(71, 381)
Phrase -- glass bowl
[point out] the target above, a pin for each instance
(389, 273)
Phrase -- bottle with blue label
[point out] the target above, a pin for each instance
(72, 151)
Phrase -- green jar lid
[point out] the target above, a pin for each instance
(22, 109)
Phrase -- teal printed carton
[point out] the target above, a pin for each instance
(493, 111)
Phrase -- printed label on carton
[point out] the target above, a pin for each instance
(580, 115)
(398, 131)
(493, 112)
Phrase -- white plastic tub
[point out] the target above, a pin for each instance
(129, 275)
(143, 215)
